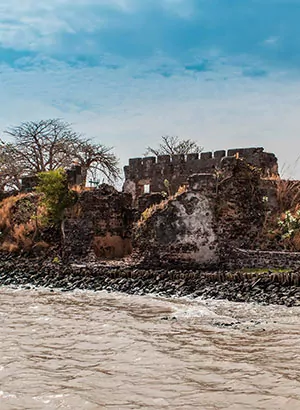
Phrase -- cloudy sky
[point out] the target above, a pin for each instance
(222, 72)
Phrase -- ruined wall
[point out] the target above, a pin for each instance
(149, 173)
(243, 203)
(100, 224)
(148, 200)
(28, 183)
(74, 177)
(218, 214)
(181, 232)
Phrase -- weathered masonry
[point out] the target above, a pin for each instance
(29, 182)
(148, 175)
(211, 220)
(100, 224)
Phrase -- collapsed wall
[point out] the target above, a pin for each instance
(99, 224)
(218, 214)
(221, 211)
(74, 177)
(181, 231)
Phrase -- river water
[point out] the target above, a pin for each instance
(86, 350)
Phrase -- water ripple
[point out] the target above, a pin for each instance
(86, 350)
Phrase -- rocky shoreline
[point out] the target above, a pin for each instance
(266, 287)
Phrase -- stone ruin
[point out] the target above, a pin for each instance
(217, 215)
(29, 182)
(148, 175)
(216, 222)
(74, 176)
(99, 225)
(221, 210)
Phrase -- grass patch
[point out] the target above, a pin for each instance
(20, 221)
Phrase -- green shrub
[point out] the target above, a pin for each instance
(56, 194)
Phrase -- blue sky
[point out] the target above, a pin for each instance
(222, 72)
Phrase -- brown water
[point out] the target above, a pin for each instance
(110, 351)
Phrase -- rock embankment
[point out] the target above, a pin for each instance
(263, 287)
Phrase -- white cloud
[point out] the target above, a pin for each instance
(132, 113)
(132, 107)
(183, 8)
(272, 41)
(32, 25)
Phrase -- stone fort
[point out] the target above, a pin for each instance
(148, 175)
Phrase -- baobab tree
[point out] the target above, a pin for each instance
(47, 145)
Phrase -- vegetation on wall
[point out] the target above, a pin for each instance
(20, 223)
(45, 148)
(56, 196)
(148, 212)
(24, 218)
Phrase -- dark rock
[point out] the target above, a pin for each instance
(164, 282)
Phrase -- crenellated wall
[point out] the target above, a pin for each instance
(148, 174)
(211, 218)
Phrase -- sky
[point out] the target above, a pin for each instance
(225, 73)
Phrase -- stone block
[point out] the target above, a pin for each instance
(77, 169)
(191, 157)
(29, 183)
(149, 160)
(206, 155)
(126, 172)
(147, 200)
(245, 152)
(178, 159)
(219, 154)
(163, 159)
(204, 165)
(148, 166)
(135, 162)
(199, 181)
(228, 162)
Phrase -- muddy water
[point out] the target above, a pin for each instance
(110, 351)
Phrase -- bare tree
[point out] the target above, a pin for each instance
(96, 159)
(44, 145)
(173, 145)
(10, 168)
(51, 144)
